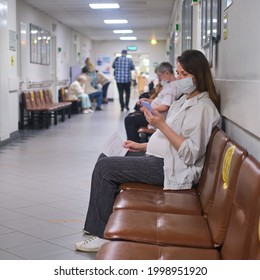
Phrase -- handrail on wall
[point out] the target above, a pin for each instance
(42, 84)
(63, 83)
(39, 84)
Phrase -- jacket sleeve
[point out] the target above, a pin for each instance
(197, 127)
(114, 64)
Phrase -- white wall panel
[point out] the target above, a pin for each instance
(240, 102)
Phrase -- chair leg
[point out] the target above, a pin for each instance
(48, 120)
(63, 115)
(55, 118)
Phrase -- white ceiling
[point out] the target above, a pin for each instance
(147, 18)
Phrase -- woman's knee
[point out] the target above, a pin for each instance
(128, 120)
(103, 161)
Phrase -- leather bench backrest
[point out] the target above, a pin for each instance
(38, 94)
(27, 101)
(254, 249)
(219, 213)
(244, 214)
(47, 96)
(62, 96)
(211, 170)
(32, 99)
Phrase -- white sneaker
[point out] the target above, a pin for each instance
(85, 111)
(90, 245)
(90, 110)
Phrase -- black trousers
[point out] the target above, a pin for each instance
(104, 89)
(133, 122)
(108, 174)
(124, 87)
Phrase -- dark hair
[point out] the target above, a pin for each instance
(163, 67)
(194, 62)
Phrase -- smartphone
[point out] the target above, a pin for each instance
(148, 106)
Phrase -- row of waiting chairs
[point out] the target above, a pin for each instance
(75, 103)
(38, 106)
(218, 219)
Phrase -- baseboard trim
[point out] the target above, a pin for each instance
(14, 135)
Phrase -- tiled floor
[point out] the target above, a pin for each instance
(45, 184)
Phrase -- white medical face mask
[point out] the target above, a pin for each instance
(185, 85)
(163, 82)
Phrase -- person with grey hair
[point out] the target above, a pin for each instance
(76, 91)
(162, 102)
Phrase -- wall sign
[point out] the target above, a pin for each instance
(132, 48)
(12, 40)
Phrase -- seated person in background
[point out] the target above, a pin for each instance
(104, 82)
(87, 66)
(89, 69)
(151, 86)
(76, 91)
(175, 153)
(162, 102)
(149, 94)
(92, 92)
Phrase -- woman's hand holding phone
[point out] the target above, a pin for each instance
(148, 106)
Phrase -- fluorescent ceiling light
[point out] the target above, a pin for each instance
(119, 54)
(115, 21)
(104, 6)
(123, 31)
(128, 38)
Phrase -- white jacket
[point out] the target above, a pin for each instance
(194, 120)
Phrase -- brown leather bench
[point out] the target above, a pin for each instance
(241, 239)
(156, 224)
(38, 105)
(206, 230)
(75, 103)
(64, 107)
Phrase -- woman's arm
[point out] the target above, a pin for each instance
(135, 147)
(158, 121)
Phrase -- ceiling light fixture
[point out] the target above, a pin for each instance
(127, 31)
(115, 21)
(128, 38)
(104, 6)
(153, 41)
(119, 54)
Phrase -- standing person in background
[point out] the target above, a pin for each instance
(123, 67)
(162, 102)
(104, 82)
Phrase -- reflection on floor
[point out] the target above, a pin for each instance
(44, 185)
